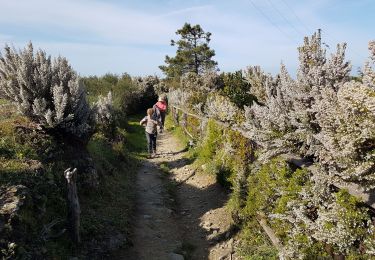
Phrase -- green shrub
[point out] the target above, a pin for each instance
(255, 244)
(130, 95)
(237, 89)
(212, 142)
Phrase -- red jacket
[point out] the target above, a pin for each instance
(162, 105)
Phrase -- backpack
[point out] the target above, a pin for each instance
(156, 116)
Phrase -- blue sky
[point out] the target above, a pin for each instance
(133, 36)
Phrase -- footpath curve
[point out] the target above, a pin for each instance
(180, 212)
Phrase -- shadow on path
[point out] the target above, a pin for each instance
(180, 212)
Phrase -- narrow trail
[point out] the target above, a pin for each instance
(180, 213)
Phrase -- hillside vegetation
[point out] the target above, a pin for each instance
(282, 147)
(48, 125)
(251, 128)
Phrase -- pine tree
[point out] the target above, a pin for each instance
(193, 53)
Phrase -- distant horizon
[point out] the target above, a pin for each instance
(100, 37)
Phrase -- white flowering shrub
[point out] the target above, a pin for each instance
(106, 116)
(271, 125)
(322, 116)
(212, 81)
(346, 118)
(221, 108)
(179, 97)
(347, 135)
(48, 91)
(262, 84)
(286, 120)
(161, 88)
(104, 112)
(368, 71)
(207, 82)
(315, 74)
(146, 83)
(326, 117)
(191, 81)
(192, 92)
(139, 94)
(318, 215)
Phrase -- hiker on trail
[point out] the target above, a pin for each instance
(161, 109)
(151, 131)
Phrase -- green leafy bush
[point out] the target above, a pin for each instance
(237, 89)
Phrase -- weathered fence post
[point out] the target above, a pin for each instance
(202, 127)
(184, 120)
(175, 115)
(74, 209)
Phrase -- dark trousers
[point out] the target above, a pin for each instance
(151, 142)
(162, 119)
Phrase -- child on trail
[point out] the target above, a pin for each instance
(151, 131)
(161, 110)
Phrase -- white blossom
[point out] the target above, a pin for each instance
(221, 108)
(104, 110)
(49, 92)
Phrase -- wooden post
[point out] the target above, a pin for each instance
(184, 120)
(262, 220)
(74, 209)
(202, 127)
(172, 109)
(177, 119)
(175, 115)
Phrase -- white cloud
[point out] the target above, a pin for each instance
(98, 37)
(105, 21)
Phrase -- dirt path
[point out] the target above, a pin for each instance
(180, 212)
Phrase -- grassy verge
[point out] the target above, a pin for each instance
(255, 244)
(28, 174)
(31, 165)
(226, 154)
(109, 213)
(176, 130)
(134, 136)
(3, 101)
